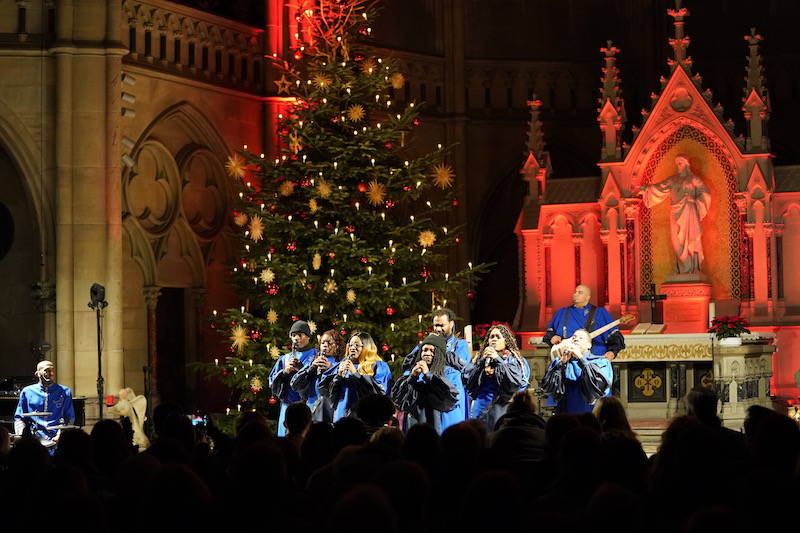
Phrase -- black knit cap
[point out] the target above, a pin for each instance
(437, 341)
(300, 326)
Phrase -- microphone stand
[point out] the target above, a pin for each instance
(98, 306)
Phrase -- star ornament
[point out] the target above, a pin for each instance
(324, 189)
(240, 219)
(316, 262)
(426, 238)
(274, 352)
(286, 188)
(283, 85)
(376, 193)
(312, 326)
(256, 384)
(272, 316)
(256, 228)
(330, 286)
(351, 296)
(267, 275)
(235, 166)
(443, 176)
(356, 113)
(368, 67)
(321, 80)
(294, 143)
(397, 80)
(313, 206)
(239, 338)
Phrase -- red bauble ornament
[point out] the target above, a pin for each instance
(389, 204)
(295, 318)
(224, 372)
(331, 255)
(272, 400)
(406, 188)
(389, 145)
(364, 260)
(305, 182)
(254, 391)
(298, 55)
(425, 273)
(291, 246)
(458, 240)
(470, 294)
(343, 332)
(272, 250)
(416, 122)
(350, 228)
(455, 202)
(385, 347)
(358, 311)
(309, 286)
(391, 260)
(362, 187)
(255, 334)
(358, 57)
(335, 119)
(420, 334)
(390, 310)
(272, 288)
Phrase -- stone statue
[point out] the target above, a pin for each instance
(689, 201)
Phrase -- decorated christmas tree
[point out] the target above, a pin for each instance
(345, 227)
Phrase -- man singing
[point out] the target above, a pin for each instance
(46, 396)
(583, 315)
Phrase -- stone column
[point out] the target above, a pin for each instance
(151, 294)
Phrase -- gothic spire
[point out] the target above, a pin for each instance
(680, 42)
(535, 142)
(536, 165)
(756, 98)
(611, 113)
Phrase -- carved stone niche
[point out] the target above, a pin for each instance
(681, 100)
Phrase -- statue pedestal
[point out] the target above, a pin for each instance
(686, 306)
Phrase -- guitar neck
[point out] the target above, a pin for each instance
(605, 328)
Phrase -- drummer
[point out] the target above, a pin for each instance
(47, 397)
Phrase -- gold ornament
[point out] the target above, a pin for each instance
(316, 262)
(426, 238)
(256, 228)
(322, 80)
(240, 219)
(267, 275)
(286, 188)
(283, 85)
(313, 206)
(294, 143)
(330, 286)
(398, 80)
(351, 296)
(312, 326)
(239, 338)
(272, 316)
(368, 67)
(255, 384)
(442, 176)
(356, 113)
(274, 352)
(376, 193)
(235, 166)
(324, 189)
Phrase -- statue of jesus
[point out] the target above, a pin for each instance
(689, 201)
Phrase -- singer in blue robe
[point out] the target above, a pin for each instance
(427, 391)
(360, 373)
(306, 380)
(494, 375)
(48, 397)
(287, 365)
(577, 378)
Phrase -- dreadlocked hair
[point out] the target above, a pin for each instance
(338, 341)
(508, 336)
(437, 365)
(369, 354)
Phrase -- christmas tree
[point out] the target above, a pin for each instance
(344, 228)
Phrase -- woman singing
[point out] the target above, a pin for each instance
(494, 375)
(429, 389)
(306, 380)
(360, 373)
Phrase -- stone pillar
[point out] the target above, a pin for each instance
(547, 299)
(577, 245)
(151, 294)
(614, 281)
(44, 295)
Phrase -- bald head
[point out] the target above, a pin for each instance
(581, 296)
(46, 372)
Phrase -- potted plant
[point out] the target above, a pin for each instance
(728, 329)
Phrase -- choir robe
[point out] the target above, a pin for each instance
(576, 386)
(458, 356)
(279, 383)
(306, 383)
(344, 391)
(491, 394)
(608, 341)
(427, 398)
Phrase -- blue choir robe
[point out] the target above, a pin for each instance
(55, 399)
(610, 340)
(279, 383)
(426, 398)
(576, 386)
(458, 355)
(344, 391)
(306, 383)
(491, 394)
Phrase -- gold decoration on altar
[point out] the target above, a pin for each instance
(316, 261)
(239, 338)
(256, 228)
(286, 188)
(442, 176)
(283, 85)
(376, 193)
(240, 219)
(324, 189)
(665, 352)
(351, 296)
(235, 166)
(272, 316)
(267, 275)
(356, 113)
(397, 80)
(426, 238)
(648, 382)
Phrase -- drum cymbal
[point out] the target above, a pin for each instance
(62, 426)
(36, 413)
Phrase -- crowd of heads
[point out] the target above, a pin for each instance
(565, 473)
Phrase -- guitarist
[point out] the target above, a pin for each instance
(583, 315)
